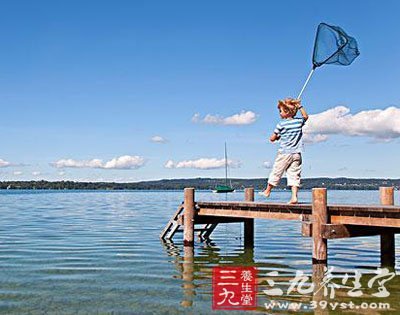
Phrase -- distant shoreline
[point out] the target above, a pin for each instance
(341, 183)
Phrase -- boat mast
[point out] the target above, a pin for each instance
(226, 167)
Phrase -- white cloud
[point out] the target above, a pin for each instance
(122, 162)
(243, 118)
(17, 173)
(158, 139)
(125, 162)
(36, 173)
(196, 118)
(70, 163)
(202, 164)
(169, 164)
(310, 138)
(379, 124)
(4, 163)
(267, 164)
(61, 173)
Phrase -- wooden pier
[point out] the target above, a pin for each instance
(320, 220)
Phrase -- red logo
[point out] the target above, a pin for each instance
(234, 288)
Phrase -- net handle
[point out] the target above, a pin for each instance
(305, 84)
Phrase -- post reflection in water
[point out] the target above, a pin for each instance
(199, 267)
(185, 266)
(318, 292)
(188, 276)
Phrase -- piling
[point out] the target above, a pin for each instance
(387, 237)
(188, 222)
(249, 223)
(320, 217)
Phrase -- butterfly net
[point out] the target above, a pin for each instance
(333, 46)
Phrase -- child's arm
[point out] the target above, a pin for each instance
(274, 137)
(302, 110)
(276, 134)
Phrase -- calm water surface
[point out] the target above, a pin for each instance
(99, 252)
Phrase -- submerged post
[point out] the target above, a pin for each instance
(188, 217)
(249, 223)
(387, 238)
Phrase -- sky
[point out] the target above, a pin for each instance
(141, 90)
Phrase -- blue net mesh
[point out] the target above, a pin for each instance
(333, 46)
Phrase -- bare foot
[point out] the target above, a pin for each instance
(267, 193)
(293, 201)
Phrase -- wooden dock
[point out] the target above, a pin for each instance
(320, 220)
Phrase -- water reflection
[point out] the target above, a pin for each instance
(99, 253)
(195, 269)
(188, 276)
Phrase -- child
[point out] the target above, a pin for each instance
(288, 159)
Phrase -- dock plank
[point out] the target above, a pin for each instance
(368, 215)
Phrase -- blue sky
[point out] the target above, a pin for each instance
(96, 80)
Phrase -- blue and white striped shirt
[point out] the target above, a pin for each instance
(290, 133)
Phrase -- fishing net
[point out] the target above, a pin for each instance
(333, 46)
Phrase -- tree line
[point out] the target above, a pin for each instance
(203, 184)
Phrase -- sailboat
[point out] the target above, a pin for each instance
(224, 188)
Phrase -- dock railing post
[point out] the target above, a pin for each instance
(188, 217)
(387, 238)
(249, 223)
(320, 216)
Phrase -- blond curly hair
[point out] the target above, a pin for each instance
(289, 105)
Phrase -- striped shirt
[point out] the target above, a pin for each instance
(290, 133)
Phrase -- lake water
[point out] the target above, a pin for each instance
(99, 252)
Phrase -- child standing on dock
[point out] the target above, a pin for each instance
(289, 132)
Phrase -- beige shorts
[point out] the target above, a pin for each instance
(289, 163)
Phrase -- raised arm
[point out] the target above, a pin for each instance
(302, 110)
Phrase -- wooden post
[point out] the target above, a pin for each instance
(249, 194)
(386, 195)
(249, 223)
(188, 221)
(320, 216)
(320, 245)
(387, 238)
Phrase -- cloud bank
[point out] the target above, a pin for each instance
(202, 164)
(123, 163)
(379, 124)
(243, 118)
